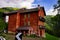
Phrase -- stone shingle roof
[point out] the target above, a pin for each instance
(23, 10)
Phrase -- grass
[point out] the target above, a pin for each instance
(51, 37)
(8, 36)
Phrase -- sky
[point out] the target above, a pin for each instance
(47, 4)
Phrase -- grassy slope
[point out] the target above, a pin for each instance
(51, 37)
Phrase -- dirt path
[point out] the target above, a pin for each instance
(12, 37)
(29, 38)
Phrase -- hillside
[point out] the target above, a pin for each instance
(8, 9)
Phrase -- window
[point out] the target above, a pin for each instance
(24, 20)
(24, 23)
(6, 19)
(25, 16)
(28, 22)
(28, 15)
(28, 19)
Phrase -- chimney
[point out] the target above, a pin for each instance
(38, 6)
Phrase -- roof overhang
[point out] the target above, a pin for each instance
(26, 11)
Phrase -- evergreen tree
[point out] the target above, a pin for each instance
(56, 25)
(3, 25)
(59, 2)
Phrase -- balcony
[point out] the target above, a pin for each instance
(41, 27)
(41, 19)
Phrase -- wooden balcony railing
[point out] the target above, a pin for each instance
(41, 27)
(41, 19)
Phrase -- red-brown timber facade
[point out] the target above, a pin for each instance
(28, 21)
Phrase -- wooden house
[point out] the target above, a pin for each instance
(28, 21)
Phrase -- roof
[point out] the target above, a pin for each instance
(23, 10)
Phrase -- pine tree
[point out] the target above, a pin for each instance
(58, 2)
(57, 5)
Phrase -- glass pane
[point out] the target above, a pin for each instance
(24, 23)
(28, 15)
(25, 16)
(28, 22)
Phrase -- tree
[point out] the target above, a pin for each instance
(48, 24)
(53, 25)
(49, 21)
(53, 22)
(56, 20)
(59, 2)
(56, 25)
(57, 5)
(3, 25)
